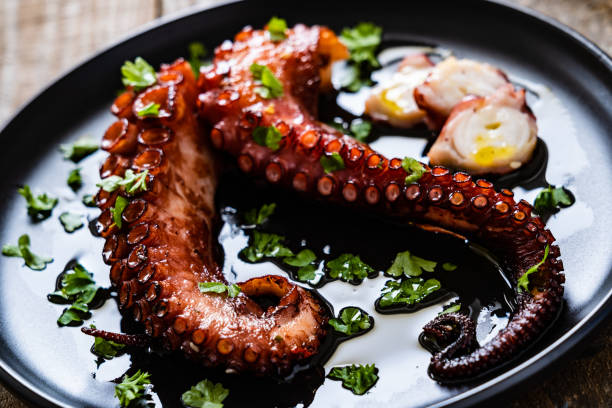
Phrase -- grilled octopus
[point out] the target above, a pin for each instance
(163, 244)
(367, 180)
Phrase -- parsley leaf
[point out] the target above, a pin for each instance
(152, 109)
(449, 267)
(132, 388)
(117, 210)
(138, 74)
(332, 162)
(307, 273)
(348, 267)
(71, 221)
(276, 28)
(270, 87)
(362, 42)
(255, 217)
(523, 281)
(451, 309)
(360, 129)
(196, 52)
(359, 379)
(75, 181)
(40, 206)
(219, 287)
(410, 265)
(132, 182)
(305, 260)
(78, 150)
(407, 292)
(89, 200)
(205, 394)
(78, 289)
(267, 136)
(351, 321)
(22, 250)
(265, 245)
(550, 199)
(413, 167)
(107, 349)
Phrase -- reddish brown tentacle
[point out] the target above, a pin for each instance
(136, 340)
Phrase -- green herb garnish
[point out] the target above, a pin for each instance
(362, 42)
(132, 182)
(305, 260)
(219, 287)
(268, 136)
(138, 74)
(151, 109)
(89, 200)
(410, 265)
(265, 245)
(117, 210)
(551, 199)
(357, 378)
(360, 129)
(40, 206)
(205, 394)
(196, 52)
(450, 309)
(107, 349)
(276, 28)
(132, 388)
(407, 292)
(78, 150)
(414, 168)
(22, 250)
(449, 267)
(348, 267)
(332, 162)
(75, 181)
(523, 281)
(351, 321)
(270, 87)
(78, 289)
(258, 217)
(71, 221)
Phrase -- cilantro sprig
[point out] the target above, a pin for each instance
(117, 210)
(132, 388)
(131, 182)
(267, 136)
(410, 265)
(106, 349)
(407, 292)
(150, 110)
(451, 309)
(22, 250)
(219, 287)
(357, 378)
(265, 245)
(349, 268)
(89, 200)
(305, 261)
(362, 42)
(269, 86)
(74, 180)
(551, 199)
(79, 149)
(351, 320)
(39, 206)
(78, 289)
(138, 74)
(276, 29)
(258, 217)
(331, 163)
(414, 169)
(197, 51)
(71, 221)
(205, 394)
(523, 281)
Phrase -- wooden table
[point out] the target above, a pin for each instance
(40, 39)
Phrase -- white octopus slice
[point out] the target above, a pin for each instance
(496, 134)
(393, 101)
(452, 80)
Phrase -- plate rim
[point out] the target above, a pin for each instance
(25, 391)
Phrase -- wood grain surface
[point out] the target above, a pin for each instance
(39, 39)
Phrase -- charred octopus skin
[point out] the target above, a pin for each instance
(369, 180)
(164, 244)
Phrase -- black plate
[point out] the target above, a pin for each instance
(50, 367)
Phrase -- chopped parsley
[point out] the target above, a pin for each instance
(89, 200)
(22, 250)
(265, 245)
(258, 217)
(414, 168)
(78, 289)
(551, 199)
(357, 378)
(71, 221)
(360, 129)
(205, 394)
(332, 162)
(362, 42)
(39, 206)
(407, 292)
(449, 267)
(410, 265)
(80, 149)
(348, 267)
(196, 52)
(276, 28)
(151, 109)
(269, 86)
(267, 136)
(451, 309)
(305, 260)
(131, 182)
(138, 74)
(117, 210)
(107, 349)
(75, 181)
(132, 388)
(351, 321)
(523, 281)
(219, 287)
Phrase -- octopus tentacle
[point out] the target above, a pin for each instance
(163, 245)
(368, 180)
(135, 340)
(454, 333)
